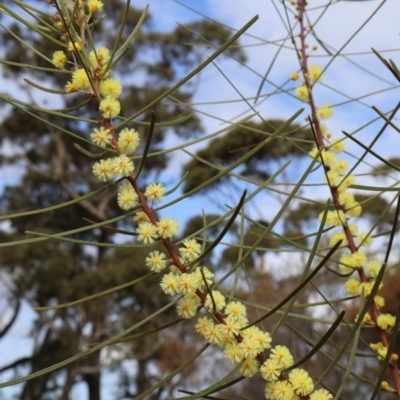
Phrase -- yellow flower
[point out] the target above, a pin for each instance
(294, 76)
(346, 198)
(301, 382)
(217, 299)
(77, 46)
(155, 192)
(352, 286)
(250, 332)
(208, 275)
(269, 370)
(345, 264)
(140, 217)
(128, 140)
(101, 136)
(302, 93)
(279, 390)
(167, 227)
(187, 283)
(324, 129)
(353, 229)
(110, 88)
(80, 79)
(340, 235)
(385, 321)
(127, 197)
(348, 181)
(325, 111)
(123, 165)
(249, 367)
(340, 166)
(358, 259)
(103, 55)
(233, 352)
(70, 87)
(104, 169)
(191, 251)
(186, 307)
(366, 287)
(353, 209)
(147, 233)
(231, 327)
(281, 356)
(367, 319)
(224, 340)
(384, 385)
(169, 283)
(373, 268)
(156, 261)
(94, 5)
(213, 335)
(263, 338)
(328, 157)
(109, 108)
(203, 324)
(333, 178)
(379, 301)
(337, 146)
(335, 218)
(235, 309)
(100, 58)
(59, 59)
(382, 353)
(250, 347)
(376, 346)
(321, 394)
(315, 72)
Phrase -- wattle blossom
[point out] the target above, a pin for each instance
(109, 107)
(123, 165)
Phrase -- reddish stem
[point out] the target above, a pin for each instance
(373, 310)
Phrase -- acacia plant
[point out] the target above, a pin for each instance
(183, 284)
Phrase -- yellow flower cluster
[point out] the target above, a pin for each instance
(119, 166)
(229, 327)
(82, 76)
(381, 351)
(386, 321)
(347, 207)
(94, 5)
(93, 77)
(253, 340)
(59, 59)
(324, 111)
(298, 384)
(127, 197)
(155, 192)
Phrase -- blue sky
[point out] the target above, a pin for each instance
(334, 28)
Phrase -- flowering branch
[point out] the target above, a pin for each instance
(345, 206)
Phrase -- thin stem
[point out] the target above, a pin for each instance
(303, 57)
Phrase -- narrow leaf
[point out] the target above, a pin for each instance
(89, 351)
(96, 295)
(171, 375)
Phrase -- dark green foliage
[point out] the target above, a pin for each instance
(383, 169)
(226, 149)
